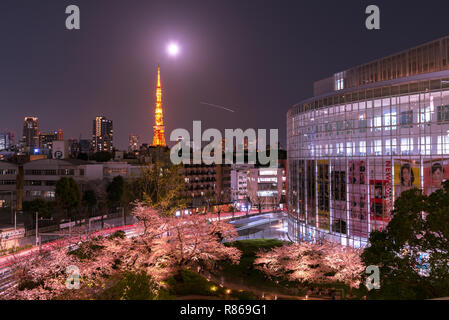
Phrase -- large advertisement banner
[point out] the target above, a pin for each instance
(323, 195)
(311, 189)
(381, 192)
(339, 190)
(435, 173)
(359, 198)
(406, 176)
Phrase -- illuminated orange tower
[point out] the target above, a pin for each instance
(158, 136)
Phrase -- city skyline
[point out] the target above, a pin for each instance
(68, 80)
(235, 152)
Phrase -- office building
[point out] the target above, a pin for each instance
(368, 134)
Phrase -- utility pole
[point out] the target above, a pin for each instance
(11, 206)
(124, 217)
(37, 228)
(15, 230)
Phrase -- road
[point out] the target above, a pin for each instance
(258, 226)
(264, 226)
(7, 281)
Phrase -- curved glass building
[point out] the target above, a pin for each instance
(368, 134)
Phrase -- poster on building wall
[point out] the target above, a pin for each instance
(301, 191)
(311, 196)
(339, 202)
(435, 173)
(406, 176)
(358, 198)
(323, 194)
(381, 192)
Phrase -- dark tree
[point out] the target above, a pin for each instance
(83, 156)
(115, 191)
(412, 253)
(89, 199)
(45, 208)
(102, 156)
(68, 195)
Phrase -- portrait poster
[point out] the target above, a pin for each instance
(358, 198)
(435, 173)
(407, 176)
(381, 192)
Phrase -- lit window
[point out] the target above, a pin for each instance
(362, 147)
(390, 121)
(406, 146)
(426, 115)
(425, 146)
(377, 123)
(378, 147)
(350, 148)
(340, 149)
(443, 145)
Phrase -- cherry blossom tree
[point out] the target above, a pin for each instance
(161, 246)
(346, 263)
(313, 263)
(299, 261)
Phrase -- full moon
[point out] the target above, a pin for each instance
(173, 49)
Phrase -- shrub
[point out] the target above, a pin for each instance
(188, 282)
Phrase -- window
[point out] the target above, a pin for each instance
(7, 171)
(49, 194)
(425, 146)
(443, 113)
(378, 147)
(339, 81)
(426, 115)
(7, 182)
(406, 146)
(406, 118)
(363, 123)
(340, 149)
(362, 147)
(390, 121)
(349, 125)
(443, 145)
(350, 148)
(340, 126)
(390, 147)
(378, 123)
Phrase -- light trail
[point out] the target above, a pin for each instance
(216, 106)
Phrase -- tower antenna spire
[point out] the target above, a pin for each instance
(159, 129)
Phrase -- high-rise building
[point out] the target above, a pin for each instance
(30, 139)
(368, 134)
(102, 134)
(133, 143)
(46, 139)
(6, 140)
(158, 136)
(60, 135)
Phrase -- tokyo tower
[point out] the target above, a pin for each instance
(158, 136)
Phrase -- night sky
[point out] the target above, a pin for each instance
(257, 57)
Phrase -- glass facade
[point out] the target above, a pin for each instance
(351, 154)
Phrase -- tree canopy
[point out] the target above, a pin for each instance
(412, 253)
